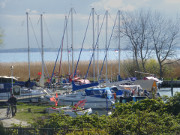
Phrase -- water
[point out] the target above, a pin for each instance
(51, 56)
(162, 91)
(167, 91)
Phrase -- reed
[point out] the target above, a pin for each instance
(21, 69)
(127, 69)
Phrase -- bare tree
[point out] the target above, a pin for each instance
(135, 28)
(149, 32)
(165, 35)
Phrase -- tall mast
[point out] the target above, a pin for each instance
(67, 46)
(28, 44)
(72, 42)
(106, 43)
(42, 55)
(119, 43)
(93, 45)
(97, 47)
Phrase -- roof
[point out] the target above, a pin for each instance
(145, 84)
(9, 77)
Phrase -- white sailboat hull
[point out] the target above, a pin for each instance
(67, 110)
(91, 101)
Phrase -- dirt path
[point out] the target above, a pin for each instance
(7, 122)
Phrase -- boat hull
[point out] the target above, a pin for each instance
(91, 101)
(67, 110)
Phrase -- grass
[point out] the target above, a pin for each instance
(36, 111)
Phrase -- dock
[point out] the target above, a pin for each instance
(170, 83)
(20, 98)
(32, 98)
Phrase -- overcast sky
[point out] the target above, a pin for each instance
(13, 18)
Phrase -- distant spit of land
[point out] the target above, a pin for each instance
(19, 50)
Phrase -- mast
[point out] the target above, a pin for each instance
(28, 44)
(12, 92)
(93, 45)
(119, 43)
(42, 55)
(72, 42)
(67, 47)
(97, 47)
(106, 43)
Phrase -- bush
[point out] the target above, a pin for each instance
(173, 104)
(2, 131)
(149, 116)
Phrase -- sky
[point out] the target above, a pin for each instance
(13, 20)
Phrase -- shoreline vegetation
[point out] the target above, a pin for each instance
(127, 69)
(148, 116)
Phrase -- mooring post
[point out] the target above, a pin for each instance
(172, 87)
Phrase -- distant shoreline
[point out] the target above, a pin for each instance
(19, 50)
(23, 50)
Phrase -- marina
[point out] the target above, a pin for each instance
(89, 73)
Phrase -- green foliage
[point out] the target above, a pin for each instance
(90, 121)
(92, 131)
(152, 67)
(173, 104)
(129, 67)
(168, 72)
(2, 131)
(146, 104)
(143, 122)
(148, 116)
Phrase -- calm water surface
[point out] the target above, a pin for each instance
(51, 56)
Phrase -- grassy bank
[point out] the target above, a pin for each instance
(30, 112)
(127, 69)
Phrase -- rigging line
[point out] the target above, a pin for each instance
(49, 33)
(67, 48)
(108, 46)
(95, 30)
(43, 61)
(95, 46)
(82, 44)
(65, 21)
(59, 48)
(95, 13)
(37, 42)
(34, 33)
(74, 10)
(111, 17)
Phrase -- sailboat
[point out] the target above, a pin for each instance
(96, 98)
(29, 89)
(41, 82)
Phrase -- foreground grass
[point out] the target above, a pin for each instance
(37, 111)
